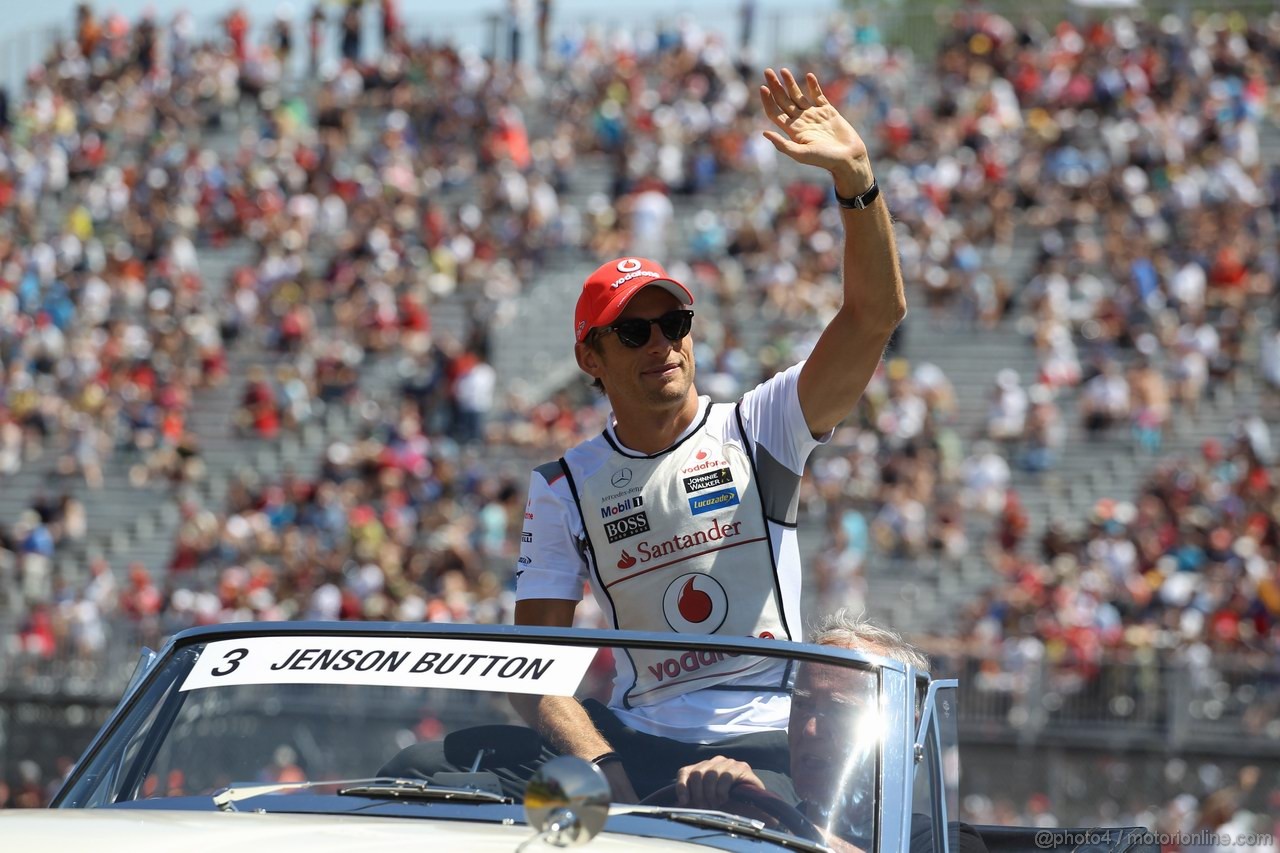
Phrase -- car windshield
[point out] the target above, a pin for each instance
(449, 711)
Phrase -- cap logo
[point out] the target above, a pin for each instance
(628, 265)
(626, 278)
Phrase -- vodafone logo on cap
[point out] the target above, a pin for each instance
(628, 265)
(695, 603)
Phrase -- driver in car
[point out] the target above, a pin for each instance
(832, 778)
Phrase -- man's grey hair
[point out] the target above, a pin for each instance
(849, 630)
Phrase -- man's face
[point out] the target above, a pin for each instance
(833, 729)
(659, 373)
(835, 734)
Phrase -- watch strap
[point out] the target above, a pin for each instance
(859, 202)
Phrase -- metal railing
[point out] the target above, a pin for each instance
(1232, 702)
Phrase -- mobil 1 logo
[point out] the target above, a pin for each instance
(626, 527)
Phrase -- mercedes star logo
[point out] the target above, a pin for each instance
(621, 477)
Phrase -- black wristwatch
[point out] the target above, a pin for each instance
(860, 202)
(606, 758)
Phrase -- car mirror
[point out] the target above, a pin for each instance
(567, 802)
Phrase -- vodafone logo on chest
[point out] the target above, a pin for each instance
(703, 460)
(695, 603)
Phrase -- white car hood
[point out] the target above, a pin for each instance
(137, 831)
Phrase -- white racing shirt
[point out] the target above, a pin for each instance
(699, 538)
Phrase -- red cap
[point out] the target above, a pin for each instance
(608, 290)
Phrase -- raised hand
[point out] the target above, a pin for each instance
(812, 130)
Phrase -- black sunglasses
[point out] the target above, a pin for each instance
(634, 331)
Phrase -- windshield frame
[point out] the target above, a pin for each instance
(937, 730)
(898, 702)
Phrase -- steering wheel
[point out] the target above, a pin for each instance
(746, 800)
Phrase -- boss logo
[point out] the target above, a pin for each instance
(628, 265)
(626, 527)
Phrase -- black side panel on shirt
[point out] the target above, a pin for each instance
(764, 506)
(596, 581)
(551, 471)
(779, 488)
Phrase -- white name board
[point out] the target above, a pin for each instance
(393, 661)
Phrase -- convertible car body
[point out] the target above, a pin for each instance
(361, 736)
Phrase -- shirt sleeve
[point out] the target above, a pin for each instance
(774, 420)
(551, 563)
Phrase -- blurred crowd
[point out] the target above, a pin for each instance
(376, 189)
(1188, 561)
(106, 325)
(1132, 150)
(1230, 802)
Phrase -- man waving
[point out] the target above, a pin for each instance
(681, 515)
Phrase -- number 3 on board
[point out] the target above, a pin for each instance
(232, 662)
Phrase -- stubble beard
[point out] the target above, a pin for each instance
(673, 391)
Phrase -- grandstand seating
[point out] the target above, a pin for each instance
(532, 352)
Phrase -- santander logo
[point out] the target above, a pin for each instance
(695, 603)
(627, 561)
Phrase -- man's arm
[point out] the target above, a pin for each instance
(550, 578)
(850, 348)
(561, 720)
(549, 612)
